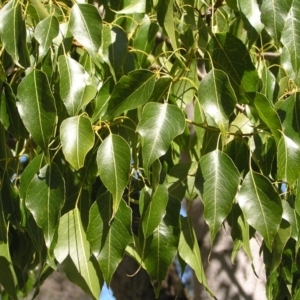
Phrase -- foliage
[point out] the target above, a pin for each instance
(93, 113)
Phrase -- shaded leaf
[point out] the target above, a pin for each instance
(218, 184)
(72, 243)
(159, 125)
(37, 107)
(288, 160)
(261, 205)
(45, 198)
(85, 24)
(113, 160)
(134, 6)
(108, 240)
(77, 139)
(44, 33)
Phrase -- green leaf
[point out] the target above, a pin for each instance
(8, 278)
(113, 160)
(261, 205)
(269, 116)
(45, 198)
(85, 24)
(273, 15)
(159, 125)
(73, 85)
(189, 250)
(290, 215)
(229, 54)
(131, 91)
(72, 243)
(44, 33)
(134, 6)
(37, 107)
(160, 247)
(288, 160)
(250, 10)
(218, 99)
(218, 184)
(290, 35)
(77, 139)
(108, 239)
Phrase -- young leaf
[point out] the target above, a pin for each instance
(288, 160)
(37, 107)
(44, 33)
(159, 125)
(73, 85)
(108, 240)
(77, 139)
(218, 185)
(261, 205)
(45, 198)
(218, 99)
(113, 160)
(72, 243)
(85, 24)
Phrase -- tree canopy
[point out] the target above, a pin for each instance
(94, 120)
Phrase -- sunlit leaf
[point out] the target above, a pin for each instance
(159, 125)
(72, 243)
(261, 205)
(113, 160)
(77, 139)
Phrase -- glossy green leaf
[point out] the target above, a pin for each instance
(73, 85)
(251, 11)
(268, 114)
(159, 125)
(108, 239)
(218, 99)
(85, 24)
(131, 91)
(218, 184)
(8, 278)
(77, 139)
(290, 215)
(288, 160)
(134, 6)
(229, 54)
(37, 107)
(269, 85)
(160, 247)
(44, 33)
(273, 15)
(261, 205)
(113, 160)
(72, 243)
(290, 35)
(45, 198)
(189, 250)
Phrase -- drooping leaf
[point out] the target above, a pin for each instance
(218, 99)
(77, 139)
(261, 205)
(108, 240)
(218, 184)
(229, 54)
(74, 90)
(44, 33)
(37, 107)
(269, 85)
(72, 243)
(290, 35)
(273, 15)
(159, 125)
(113, 160)
(45, 198)
(291, 216)
(134, 6)
(160, 247)
(131, 91)
(85, 24)
(288, 160)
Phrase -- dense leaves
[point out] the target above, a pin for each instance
(124, 103)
